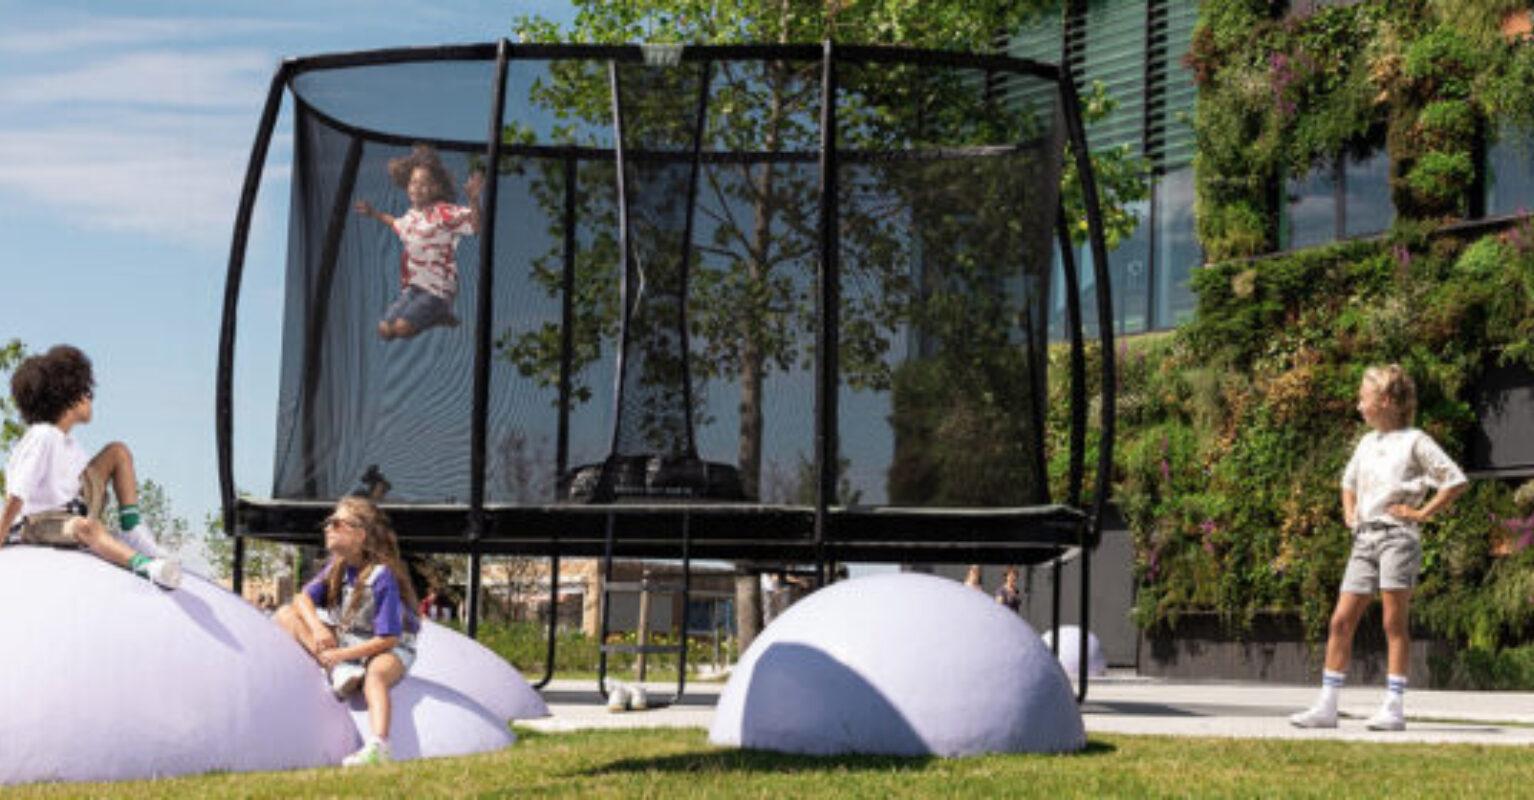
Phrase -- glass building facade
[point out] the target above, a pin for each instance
(1136, 50)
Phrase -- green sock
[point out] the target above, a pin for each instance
(129, 516)
(138, 562)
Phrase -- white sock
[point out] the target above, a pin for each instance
(1331, 689)
(142, 540)
(1395, 693)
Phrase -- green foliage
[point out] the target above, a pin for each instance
(749, 317)
(1278, 97)
(524, 645)
(1234, 429)
(11, 355)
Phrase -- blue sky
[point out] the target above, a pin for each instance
(124, 132)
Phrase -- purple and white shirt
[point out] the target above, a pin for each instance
(379, 611)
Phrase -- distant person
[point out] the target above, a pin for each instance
(1383, 488)
(972, 578)
(357, 617)
(55, 493)
(1009, 594)
(429, 232)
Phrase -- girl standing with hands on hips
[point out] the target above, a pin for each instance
(356, 617)
(1383, 492)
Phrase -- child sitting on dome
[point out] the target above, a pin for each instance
(356, 617)
(429, 231)
(55, 493)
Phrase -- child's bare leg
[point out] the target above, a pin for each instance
(384, 671)
(288, 619)
(115, 464)
(1339, 636)
(93, 535)
(1397, 632)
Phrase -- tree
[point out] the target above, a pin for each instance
(751, 305)
(11, 428)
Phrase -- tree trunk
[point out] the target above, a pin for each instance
(748, 608)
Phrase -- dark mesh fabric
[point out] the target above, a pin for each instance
(946, 206)
(945, 265)
(660, 127)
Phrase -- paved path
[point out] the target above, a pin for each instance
(1126, 704)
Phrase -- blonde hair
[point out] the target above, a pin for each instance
(1398, 391)
(379, 546)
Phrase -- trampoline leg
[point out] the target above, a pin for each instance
(1054, 613)
(1086, 594)
(474, 567)
(237, 579)
(548, 664)
(607, 579)
(681, 656)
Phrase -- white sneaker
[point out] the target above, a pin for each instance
(164, 572)
(376, 751)
(639, 700)
(1314, 717)
(618, 698)
(345, 678)
(1387, 719)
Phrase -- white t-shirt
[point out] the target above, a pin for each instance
(44, 469)
(430, 237)
(1397, 466)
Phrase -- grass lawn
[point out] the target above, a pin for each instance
(660, 762)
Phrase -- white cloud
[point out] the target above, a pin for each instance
(76, 32)
(148, 142)
(220, 78)
(170, 183)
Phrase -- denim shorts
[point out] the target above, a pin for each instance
(404, 651)
(1385, 557)
(421, 309)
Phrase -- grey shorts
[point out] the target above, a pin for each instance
(421, 309)
(1385, 557)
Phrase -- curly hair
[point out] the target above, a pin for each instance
(423, 156)
(1397, 389)
(46, 386)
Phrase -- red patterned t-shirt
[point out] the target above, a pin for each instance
(430, 237)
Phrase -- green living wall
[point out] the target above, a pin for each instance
(1234, 429)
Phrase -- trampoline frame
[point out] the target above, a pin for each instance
(820, 533)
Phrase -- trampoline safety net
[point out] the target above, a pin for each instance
(656, 294)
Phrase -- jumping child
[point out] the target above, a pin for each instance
(356, 617)
(1383, 489)
(55, 493)
(429, 232)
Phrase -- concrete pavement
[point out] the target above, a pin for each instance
(1123, 703)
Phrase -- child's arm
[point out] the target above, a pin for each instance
(8, 516)
(1350, 508)
(1442, 499)
(324, 638)
(472, 187)
(366, 209)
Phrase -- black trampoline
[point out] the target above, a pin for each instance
(777, 304)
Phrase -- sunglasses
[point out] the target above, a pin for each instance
(333, 521)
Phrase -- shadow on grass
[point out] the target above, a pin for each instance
(751, 761)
